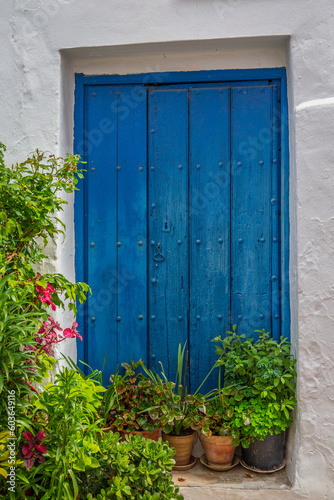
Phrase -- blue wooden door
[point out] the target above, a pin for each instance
(181, 220)
(115, 225)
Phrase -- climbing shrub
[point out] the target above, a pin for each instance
(30, 202)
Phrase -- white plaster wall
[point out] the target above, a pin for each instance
(44, 41)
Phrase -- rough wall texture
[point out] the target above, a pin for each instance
(36, 111)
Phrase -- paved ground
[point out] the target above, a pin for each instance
(215, 493)
(201, 483)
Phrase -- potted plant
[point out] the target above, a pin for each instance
(179, 417)
(132, 403)
(263, 372)
(220, 426)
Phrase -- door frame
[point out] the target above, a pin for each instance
(228, 77)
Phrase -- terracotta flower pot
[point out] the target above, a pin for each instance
(218, 449)
(183, 446)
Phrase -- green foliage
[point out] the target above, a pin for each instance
(80, 458)
(67, 412)
(257, 418)
(132, 401)
(262, 367)
(179, 411)
(220, 417)
(4, 453)
(30, 202)
(19, 365)
(135, 469)
(263, 373)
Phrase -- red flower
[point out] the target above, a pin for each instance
(48, 336)
(48, 327)
(45, 296)
(69, 333)
(34, 449)
(50, 288)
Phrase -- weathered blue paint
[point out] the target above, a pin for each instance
(79, 207)
(275, 215)
(284, 174)
(251, 194)
(209, 226)
(101, 226)
(226, 76)
(185, 245)
(131, 223)
(168, 283)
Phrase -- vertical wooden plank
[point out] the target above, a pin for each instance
(79, 206)
(275, 220)
(167, 205)
(132, 221)
(251, 198)
(209, 208)
(283, 122)
(101, 203)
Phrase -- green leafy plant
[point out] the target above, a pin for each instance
(262, 371)
(179, 410)
(220, 417)
(132, 401)
(67, 413)
(4, 453)
(67, 453)
(20, 367)
(256, 418)
(262, 367)
(30, 202)
(135, 469)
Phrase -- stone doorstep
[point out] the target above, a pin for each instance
(226, 493)
(236, 478)
(201, 483)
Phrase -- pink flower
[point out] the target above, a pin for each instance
(48, 336)
(48, 327)
(50, 288)
(45, 296)
(69, 333)
(34, 449)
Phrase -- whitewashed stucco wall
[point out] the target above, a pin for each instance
(44, 42)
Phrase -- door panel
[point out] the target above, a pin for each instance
(101, 227)
(251, 195)
(209, 207)
(131, 223)
(168, 283)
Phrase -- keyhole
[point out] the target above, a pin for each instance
(166, 225)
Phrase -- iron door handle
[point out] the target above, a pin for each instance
(158, 257)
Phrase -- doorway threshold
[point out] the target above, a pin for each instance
(202, 483)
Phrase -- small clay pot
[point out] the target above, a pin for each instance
(183, 446)
(218, 449)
